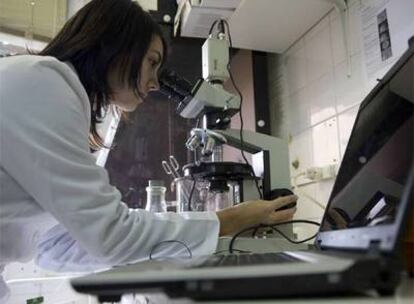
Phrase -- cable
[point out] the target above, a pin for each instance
(194, 181)
(240, 112)
(256, 227)
(170, 241)
(191, 193)
(239, 233)
(212, 27)
(289, 239)
(234, 249)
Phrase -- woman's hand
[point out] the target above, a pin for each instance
(247, 214)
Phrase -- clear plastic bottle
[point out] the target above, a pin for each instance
(156, 196)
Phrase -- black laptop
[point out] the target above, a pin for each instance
(356, 248)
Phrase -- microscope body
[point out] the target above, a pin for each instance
(270, 158)
(209, 101)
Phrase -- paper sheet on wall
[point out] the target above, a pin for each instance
(386, 26)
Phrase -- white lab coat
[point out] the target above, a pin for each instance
(48, 177)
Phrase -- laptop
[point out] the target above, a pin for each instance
(357, 245)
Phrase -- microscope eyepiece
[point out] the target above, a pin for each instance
(175, 87)
(172, 82)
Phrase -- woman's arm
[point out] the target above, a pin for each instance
(234, 219)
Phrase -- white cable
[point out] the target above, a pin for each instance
(28, 280)
(303, 193)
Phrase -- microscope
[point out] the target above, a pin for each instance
(225, 183)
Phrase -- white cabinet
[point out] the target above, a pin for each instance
(265, 25)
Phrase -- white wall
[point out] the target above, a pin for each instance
(314, 100)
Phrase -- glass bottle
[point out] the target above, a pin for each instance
(156, 196)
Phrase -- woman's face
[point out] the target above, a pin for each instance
(123, 96)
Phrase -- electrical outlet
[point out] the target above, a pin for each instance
(328, 171)
(313, 173)
(321, 173)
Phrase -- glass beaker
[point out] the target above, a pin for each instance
(220, 195)
(203, 197)
(184, 186)
(217, 200)
(156, 196)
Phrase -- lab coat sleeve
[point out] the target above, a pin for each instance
(44, 138)
(58, 251)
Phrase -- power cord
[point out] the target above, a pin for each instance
(170, 241)
(273, 227)
(212, 26)
(234, 249)
(191, 193)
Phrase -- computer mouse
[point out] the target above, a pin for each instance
(288, 206)
(275, 193)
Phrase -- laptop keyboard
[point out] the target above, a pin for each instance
(249, 259)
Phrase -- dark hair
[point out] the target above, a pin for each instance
(103, 36)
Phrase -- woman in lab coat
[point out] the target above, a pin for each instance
(56, 204)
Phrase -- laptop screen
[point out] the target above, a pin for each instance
(378, 157)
